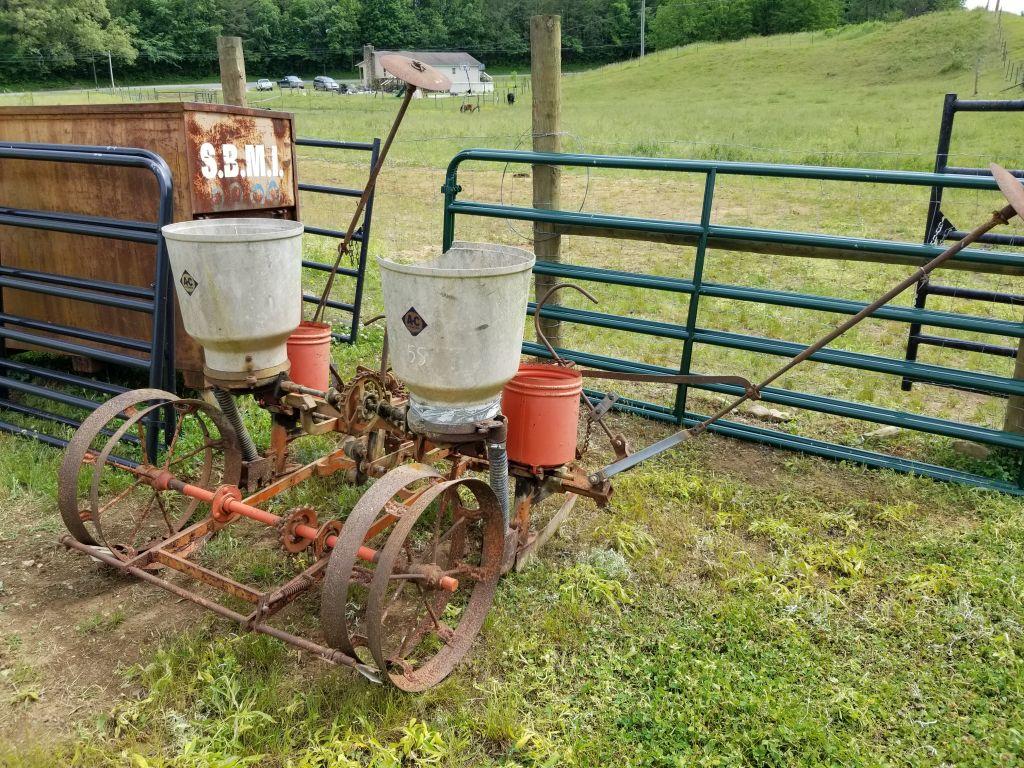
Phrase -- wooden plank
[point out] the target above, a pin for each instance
(232, 70)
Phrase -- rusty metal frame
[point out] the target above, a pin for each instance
(226, 508)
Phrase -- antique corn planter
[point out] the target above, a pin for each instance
(406, 579)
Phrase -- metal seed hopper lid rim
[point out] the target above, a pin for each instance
(508, 259)
(1010, 186)
(415, 73)
(234, 230)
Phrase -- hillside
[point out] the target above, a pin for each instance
(864, 95)
(816, 98)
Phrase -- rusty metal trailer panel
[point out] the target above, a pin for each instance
(225, 161)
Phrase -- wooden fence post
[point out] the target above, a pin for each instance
(546, 75)
(232, 70)
(1014, 419)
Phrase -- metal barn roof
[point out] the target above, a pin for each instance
(433, 58)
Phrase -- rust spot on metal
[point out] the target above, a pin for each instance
(239, 163)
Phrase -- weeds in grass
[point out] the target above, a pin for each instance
(584, 582)
(102, 622)
(629, 539)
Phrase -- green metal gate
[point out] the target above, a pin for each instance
(705, 235)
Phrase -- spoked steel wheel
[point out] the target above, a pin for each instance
(102, 497)
(416, 610)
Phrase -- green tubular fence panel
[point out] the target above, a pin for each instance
(695, 289)
(705, 235)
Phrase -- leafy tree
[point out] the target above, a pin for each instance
(258, 22)
(41, 36)
(388, 23)
(679, 22)
(866, 10)
(772, 17)
(464, 24)
(163, 36)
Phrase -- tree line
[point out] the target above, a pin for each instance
(680, 22)
(51, 40)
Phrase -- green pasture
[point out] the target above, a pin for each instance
(733, 605)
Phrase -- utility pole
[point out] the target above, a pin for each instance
(643, 27)
(232, 70)
(546, 76)
(110, 64)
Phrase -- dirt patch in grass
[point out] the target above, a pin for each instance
(69, 626)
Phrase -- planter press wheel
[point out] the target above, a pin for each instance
(407, 626)
(101, 498)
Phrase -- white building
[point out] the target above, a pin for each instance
(466, 73)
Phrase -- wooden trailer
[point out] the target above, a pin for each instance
(225, 161)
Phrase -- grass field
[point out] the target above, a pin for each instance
(734, 605)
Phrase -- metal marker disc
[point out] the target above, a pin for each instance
(415, 73)
(1010, 186)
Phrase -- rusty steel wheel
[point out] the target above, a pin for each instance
(416, 631)
(121, 511)
(394, 612)
(367, 523)
(83, 447)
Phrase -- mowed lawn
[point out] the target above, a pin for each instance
(734, 605)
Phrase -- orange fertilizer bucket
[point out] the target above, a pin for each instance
(309, 350)
(542, 405)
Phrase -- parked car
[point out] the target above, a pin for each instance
(325, 83)
(290, 81)
(264, 85)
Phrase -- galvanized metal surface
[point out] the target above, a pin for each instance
(238, 283)
(455, 327)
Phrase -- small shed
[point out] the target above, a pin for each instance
(466, 72)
